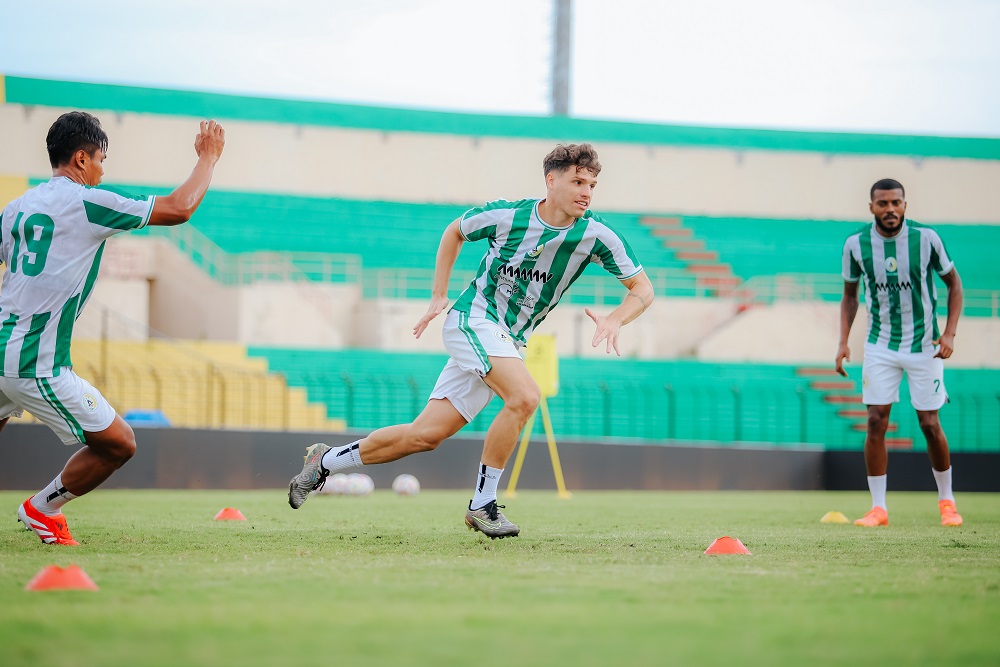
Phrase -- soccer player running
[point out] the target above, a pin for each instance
(895, 256)
(537, 248)
(52, 240)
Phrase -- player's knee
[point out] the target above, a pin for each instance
(524, 402)
(421, 440)
(877, 422)
(929, 422)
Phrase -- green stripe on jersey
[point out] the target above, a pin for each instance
(64, 334)
(88, 285)
(29, 348)
(518, 228)
(5, 332)
(108, 217)
(916, 291)
(559, 264)
(892, 291)
(875, 325)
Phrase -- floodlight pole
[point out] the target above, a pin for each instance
(561, 51)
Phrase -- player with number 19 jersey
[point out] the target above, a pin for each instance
(530, 264)
(53, 239)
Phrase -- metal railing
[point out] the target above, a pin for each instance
(591, 288)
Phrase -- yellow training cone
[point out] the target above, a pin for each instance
(834, 517)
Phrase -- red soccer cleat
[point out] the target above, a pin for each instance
(50, 529)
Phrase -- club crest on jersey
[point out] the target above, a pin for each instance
(537, 251)
(890, 264)
(501, 336)
(89, 402)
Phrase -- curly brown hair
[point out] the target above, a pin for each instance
(562, 157)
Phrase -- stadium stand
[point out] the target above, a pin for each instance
(338, 236)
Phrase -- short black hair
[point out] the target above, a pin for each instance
(581, 156)
(71, 132)
(886, 184)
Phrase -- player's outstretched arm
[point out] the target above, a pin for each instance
(448, 249)
(180, 205)
(946, 342)
(848, 311)
(640, 295)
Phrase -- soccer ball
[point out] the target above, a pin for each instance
(359, 484)
(406, 485)
(337, 484)
(333, 486)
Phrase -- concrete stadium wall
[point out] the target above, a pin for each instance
(421, 167)
(30, 456)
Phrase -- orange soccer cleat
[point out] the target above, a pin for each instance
(50, 529)
(877, 516)
(949, 515)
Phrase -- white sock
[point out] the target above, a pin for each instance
(338, 458)
(943, 479)
(486, 486)
(877, 486)
(49, 501)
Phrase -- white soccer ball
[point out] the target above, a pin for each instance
(359, 484)
(406, 485)
(337, 483)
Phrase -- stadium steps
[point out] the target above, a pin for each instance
(844, 392)
(712, 275)
(198, 384)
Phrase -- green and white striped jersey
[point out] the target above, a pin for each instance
(901, 296)
(530, 264)
(52, 240)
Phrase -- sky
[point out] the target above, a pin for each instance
(896, 66)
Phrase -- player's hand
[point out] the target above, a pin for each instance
(843, 352)
(436, 307)
(607, 331)
(210, 141)
(946, 345)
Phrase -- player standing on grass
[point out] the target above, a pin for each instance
(894, 257)
(537, 248)
(52, 240)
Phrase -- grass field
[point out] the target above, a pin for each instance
(599, 579)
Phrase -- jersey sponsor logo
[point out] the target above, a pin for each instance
(89, 402)
(523, 273)
(890, 265)
(893, 287)
(526, 301)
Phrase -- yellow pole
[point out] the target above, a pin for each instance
(553, 452)
(519, 459)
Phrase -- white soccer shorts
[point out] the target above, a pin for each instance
(882, 372)
(470, 343)
(67, 404)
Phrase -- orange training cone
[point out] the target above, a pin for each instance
(726, 545)
(230, 514)
(55, 578)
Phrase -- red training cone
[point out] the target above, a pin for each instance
(230, 514)
(55, 578)
(726, 545)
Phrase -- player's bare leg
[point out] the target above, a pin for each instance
(104, 452)
(937, 450)
(512, 382)
(438, 421)
(876, 464)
